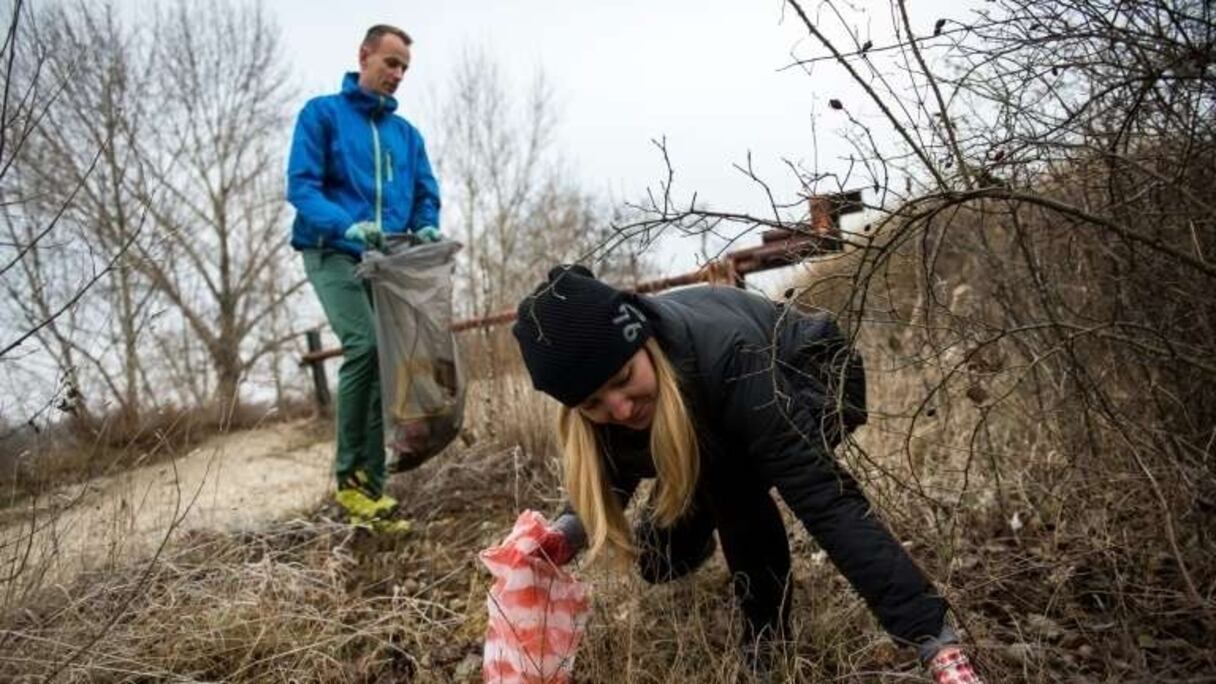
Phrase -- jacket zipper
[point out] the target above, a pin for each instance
(376, 154)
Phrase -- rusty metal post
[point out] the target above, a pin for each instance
(826, 211)
(319, 381)
(740, 279)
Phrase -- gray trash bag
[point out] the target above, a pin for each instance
(422, 383)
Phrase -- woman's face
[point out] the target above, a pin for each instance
(628, 398)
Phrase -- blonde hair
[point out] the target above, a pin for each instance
(673, 446)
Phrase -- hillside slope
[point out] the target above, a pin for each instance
(234, 481)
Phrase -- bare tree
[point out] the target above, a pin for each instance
(49, 275)
(186, 115)
(516, 208)
(102, 109)
(210, 175)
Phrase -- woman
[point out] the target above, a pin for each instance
(719, 395)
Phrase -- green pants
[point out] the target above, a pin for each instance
(347, 301)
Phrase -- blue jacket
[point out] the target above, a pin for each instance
(353, 160)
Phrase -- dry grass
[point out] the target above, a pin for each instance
(502, 406)
(314, 601)
(311, 600)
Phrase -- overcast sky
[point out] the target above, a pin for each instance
(707, 74)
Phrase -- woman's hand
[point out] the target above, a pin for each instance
(951, 666)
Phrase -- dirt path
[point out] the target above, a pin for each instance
(235, 481)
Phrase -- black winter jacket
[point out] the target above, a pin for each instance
(753, 374)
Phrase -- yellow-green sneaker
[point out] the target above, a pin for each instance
(357, 504)
(384, 505)
(392, 526)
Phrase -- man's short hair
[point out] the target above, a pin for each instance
(375, 33)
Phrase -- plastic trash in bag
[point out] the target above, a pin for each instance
(538, 611)
(422, 384)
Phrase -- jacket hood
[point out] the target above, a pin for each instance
(372, 104)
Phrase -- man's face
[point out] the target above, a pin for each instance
(382, 66)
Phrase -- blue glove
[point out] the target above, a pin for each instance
(428, 234)
(365, 232)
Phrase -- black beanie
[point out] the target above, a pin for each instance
(576, 332)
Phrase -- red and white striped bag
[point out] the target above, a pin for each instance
(537, 611)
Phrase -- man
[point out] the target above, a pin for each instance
(356, 173)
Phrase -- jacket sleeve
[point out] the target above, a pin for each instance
(425, 211)
(306, 175)
(781, 431)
